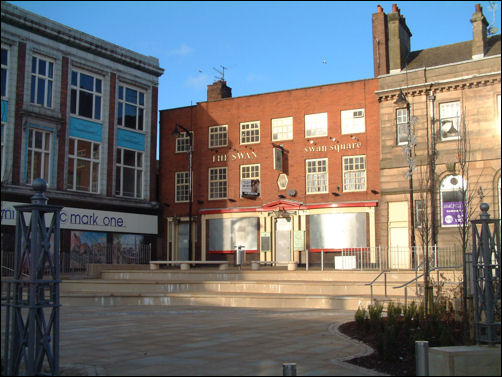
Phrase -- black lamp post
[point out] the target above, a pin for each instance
(176, 132)
(401, 101)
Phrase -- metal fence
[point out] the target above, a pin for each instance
(381, 258)
(73, 262)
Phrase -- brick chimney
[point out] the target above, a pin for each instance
(399, 39)
(218, 90)
(391, 41)
(479, 32)
(380, 44)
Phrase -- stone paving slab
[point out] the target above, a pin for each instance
(205, 341)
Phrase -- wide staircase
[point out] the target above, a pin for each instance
(265, 288)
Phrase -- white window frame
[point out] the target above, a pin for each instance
(250, 132)
(354, 176)
(449, 118)
(44, 154)
(402, 118)
(250, 171)
(37, 80)
(282, 129)
(95, 162)
(96, 93)
(182, 187)
(219, 186)
(138, 169)
(316, 125)
(218, 136)
(183, 142)
(316, 176)
(138, 104)
(353, 121)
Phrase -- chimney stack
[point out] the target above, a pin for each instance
(399, 39)
(391, 41)
(218, 90)
(380, 43)
(479, 33)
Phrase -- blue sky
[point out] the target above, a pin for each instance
(265, 46)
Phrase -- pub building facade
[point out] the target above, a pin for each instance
(275, 173)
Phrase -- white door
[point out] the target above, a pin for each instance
(183, 249)
(398, 235)
(283, 240)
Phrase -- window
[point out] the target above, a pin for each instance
(282, 129)
(250, 180)
(498, 104)
(5, 66)
(250, 133)
(83, 165)
(183, 142)
(402, 126)
(353, 121)
(131, 108)
(218, 136)
(38, 161)
(42, 76)
(449, 114)
(129, 173)
(182, 187)
(317, 176)
(86, 93)
(217, 183)
(453, 201)
(354, 173)
(3, 149)
(316, 125)
(420, 213)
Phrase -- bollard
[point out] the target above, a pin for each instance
(289, 369)
(422, 358)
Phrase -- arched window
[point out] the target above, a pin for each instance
(453, 200)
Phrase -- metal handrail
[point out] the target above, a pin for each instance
(384, 272)
(405, 285)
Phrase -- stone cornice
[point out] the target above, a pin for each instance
(465, 82)
(55, 31)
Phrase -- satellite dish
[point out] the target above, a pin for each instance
(493, 30)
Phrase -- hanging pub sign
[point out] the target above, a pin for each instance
(250, 188)
(278, 159)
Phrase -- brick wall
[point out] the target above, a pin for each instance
(296, 103)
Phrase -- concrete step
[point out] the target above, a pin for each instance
(331, 288)
(196, 274)
(224, 299)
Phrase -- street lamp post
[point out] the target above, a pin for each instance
(401, 101)
(190, 168)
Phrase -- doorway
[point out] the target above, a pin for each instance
(183, 249)
(283, 240)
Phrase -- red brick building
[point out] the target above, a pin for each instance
(276, 173)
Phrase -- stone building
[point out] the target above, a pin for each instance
(449, 97)
(81, 113)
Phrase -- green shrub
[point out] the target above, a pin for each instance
(360, 316)
(375, 312)
(410, 312)
(394, 311)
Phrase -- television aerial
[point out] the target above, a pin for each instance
(493, 7)
(222, 73)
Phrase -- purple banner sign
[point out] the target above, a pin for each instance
(453, 213)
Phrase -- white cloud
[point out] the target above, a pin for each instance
(183, 50)
(197, 82)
